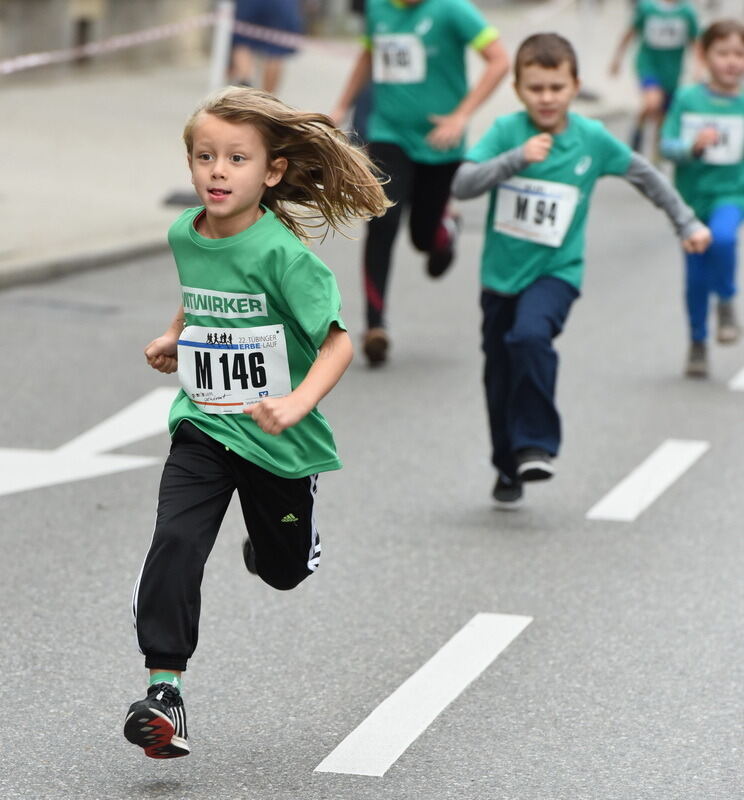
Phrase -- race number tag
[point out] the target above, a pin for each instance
(398, 58)
(539, 211)
(730, 127)
(224, 369)
(665, 33)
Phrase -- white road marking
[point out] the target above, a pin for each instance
(390, 729)
(736, 384)
(145, 417)
(648, 481)
(21, 470)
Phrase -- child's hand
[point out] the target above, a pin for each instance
(275, 415)
(162, 354)
(448, 130)
(706, 138)
(538, 147)
(698, 242)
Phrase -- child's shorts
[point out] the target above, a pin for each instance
(280, 15)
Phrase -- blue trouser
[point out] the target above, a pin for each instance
(521, 367)
(714, 271)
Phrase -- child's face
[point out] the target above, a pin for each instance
(725, 60)
(547, 93)
(230, 169)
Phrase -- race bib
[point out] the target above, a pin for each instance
(224, 369)
(398, 58)
(730, 127)
(665, 33)
(539, 211)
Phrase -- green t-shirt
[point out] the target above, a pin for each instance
(664, 30)
(418, 69)
(717, 177)
(263, 276)
(536, 219)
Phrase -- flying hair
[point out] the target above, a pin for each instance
(548, 50)
(721, 29)
(328, 182)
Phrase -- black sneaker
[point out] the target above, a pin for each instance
(508, 493)
(249, 556)
(440, 259)
(158, 723)
(697, 361)
(534, 464)
(728, 326)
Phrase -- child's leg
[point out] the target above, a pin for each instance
(429, 231)
(697, 287)
(541, 312)
(498, 317)
(724, 224)
(381, 231)
(280, 517)
(195, 491)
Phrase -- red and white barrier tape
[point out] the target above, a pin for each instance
(282, 38)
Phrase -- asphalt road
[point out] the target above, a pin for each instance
(628, 681)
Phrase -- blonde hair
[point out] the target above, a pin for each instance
(333, 181)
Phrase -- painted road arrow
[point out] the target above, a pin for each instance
(83, 457)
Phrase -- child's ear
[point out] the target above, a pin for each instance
(277, 168)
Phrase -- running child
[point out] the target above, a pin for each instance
(415, 56)
(704, 135)
(257, 342)
(540, 167)
(664, 28)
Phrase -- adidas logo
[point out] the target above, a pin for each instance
(291, 518)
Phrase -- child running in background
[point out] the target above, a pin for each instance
(665, 28)
(704, 136)
(415, 56)
(540, 167)
(257, 342)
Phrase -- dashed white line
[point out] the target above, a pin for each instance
(736, 384)
(648, 481)
(390, 729)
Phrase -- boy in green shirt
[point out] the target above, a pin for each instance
(664, 29)
(704, 136)
(540, 166)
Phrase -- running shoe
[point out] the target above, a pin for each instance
(376, 345)
(443, 254)
(534, 464)
(249, 556)
(508, 493)
(697, 361)
(158, 723)
(728, 326)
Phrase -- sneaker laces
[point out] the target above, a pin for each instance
(166, 693)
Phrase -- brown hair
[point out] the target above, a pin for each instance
(547, 50)
(333, 181)
(721, 30)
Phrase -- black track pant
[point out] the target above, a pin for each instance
(198, 481)
(423, 187)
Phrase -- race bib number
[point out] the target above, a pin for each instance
(539, 211)
(398, 58)
(730, 128)
(222, 370)
(665, 33)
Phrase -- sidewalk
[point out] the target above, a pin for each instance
(96, 152)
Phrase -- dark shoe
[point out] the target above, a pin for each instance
(441, 258)
(636, 140)
(376, 345)
(249, 556)
(158, 723)
(728, 326)
(697, 361)
(534, 464)
(508, 493)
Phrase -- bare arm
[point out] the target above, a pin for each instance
(622, 46)
(162, 353)
(449, 128)
(360, 76)
(277, 414)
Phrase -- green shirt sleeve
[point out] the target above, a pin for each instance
(694, 25)
(311, 292)
(468, 22)
(488, 146)
(639, 17)
(673, 121)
